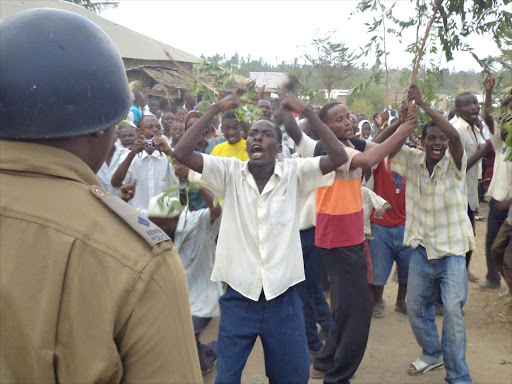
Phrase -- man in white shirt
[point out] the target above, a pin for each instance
(109, 166)
(193, 234)
(467, 110)
(501, 184)
(258, 252)
(147, 165)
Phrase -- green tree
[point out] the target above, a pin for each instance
(362, 106)
(332, 61)
(95, 6)
(373, 95)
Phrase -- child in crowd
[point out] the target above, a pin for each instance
(147, 163)
(439, 230)
(234, 146)
(365, 130)
(258, 251)
(181, 113)
(176, 132)
(193, 234)
(340, 236)
(167, 119)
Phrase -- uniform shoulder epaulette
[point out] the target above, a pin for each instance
(142, 225)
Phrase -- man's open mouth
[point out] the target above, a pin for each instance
(257, 151)
(437, 150)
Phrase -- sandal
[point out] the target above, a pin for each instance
(419, 367)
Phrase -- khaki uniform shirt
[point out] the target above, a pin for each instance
(84, 298)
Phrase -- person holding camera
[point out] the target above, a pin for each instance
(147, 164)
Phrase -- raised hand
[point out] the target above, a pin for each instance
(229, 102)
(414, 94)
(138, 145)
(161, 144)
(489, 82)
(293, 104)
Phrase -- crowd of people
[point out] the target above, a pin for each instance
(266, 220)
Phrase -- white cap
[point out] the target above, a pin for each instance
(164, 206)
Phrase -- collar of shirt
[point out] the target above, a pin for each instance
(156, 153)
(271, 183)
(44, 159)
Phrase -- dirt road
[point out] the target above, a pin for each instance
(392, 347)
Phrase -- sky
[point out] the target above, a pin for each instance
(274, 30)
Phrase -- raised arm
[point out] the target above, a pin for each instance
(489, 86)
(122, 170)
(390, 147)
(215, 209)
(454, 141)
(336, 155)
(184, 150)
(383, 134)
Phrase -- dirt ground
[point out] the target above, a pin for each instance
(392, 347)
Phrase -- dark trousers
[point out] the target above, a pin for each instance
(494, 222)
(346, 343)
(280, 325)
(316, 309)
(207, 352)
(471, 215)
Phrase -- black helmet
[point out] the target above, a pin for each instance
(60, 76)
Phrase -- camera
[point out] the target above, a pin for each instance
(149, 143)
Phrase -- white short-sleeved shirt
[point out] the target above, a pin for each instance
(501, 183)
(194, 238)
(154, 175)
(259, 244)
(106, 171)
(370, 200)
(470, 140)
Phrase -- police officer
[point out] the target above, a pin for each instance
(90, 290)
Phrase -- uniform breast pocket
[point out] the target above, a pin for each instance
(280, 210)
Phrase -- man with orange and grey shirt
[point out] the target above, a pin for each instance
(340, 235)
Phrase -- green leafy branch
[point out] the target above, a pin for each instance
(222, 79)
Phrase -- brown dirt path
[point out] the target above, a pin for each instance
(392, 347)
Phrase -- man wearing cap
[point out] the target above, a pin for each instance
(89, 290)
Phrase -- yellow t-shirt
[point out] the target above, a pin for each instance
(237, 150)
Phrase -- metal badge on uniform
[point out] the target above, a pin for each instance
(397, 190)
(145, 228)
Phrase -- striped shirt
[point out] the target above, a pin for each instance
(436, 205)
(339, 207)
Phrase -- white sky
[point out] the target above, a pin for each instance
(274, 30)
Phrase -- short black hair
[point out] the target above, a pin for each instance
(375, 115)
(458, 99)
(139, 122)
(325, 109)
(229, 115)
(425, 128)
(279, 134)
(451, 114)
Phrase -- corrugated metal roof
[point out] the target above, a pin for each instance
(130, 44)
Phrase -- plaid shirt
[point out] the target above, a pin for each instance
(436, 206)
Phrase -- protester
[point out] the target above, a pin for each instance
(500, 187)
(180, 114)
(340, 235)
(109, 166)
(502, 247)
(266, 108)
(364, 130)
(127, 134)
(167, 119)
(176, 132)
(439, 230)
(194, 234)
(147, 164)
(234, 146)
(388, 231)
(82, 272)
(154, 107)
(190, 101)
(258, 251)
(136, 111)
(467, 109)
(355, 124)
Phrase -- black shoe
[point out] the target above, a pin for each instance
(490, 285)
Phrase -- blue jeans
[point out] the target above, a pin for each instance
(280, 325)
(387, 247)
(426, 279)
(316, 309)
